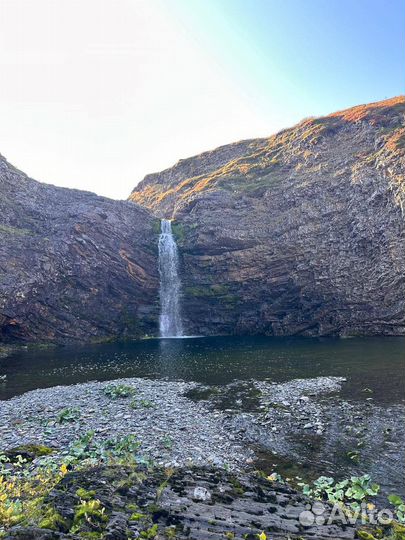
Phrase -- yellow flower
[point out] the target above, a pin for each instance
(63, 469)
(262, 536)
(370, 506)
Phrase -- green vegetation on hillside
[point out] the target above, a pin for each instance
(266, 163)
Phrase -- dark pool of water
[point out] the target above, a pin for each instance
(377, 364)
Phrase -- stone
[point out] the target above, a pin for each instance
(201, 494)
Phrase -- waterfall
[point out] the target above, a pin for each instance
(170, 324)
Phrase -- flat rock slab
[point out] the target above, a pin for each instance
(195, 503)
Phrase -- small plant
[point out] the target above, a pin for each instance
(136, 516)
(142, 403)
(115, 391)
(81, 449)
(167, 442)
(106, 451)
(170, 532)
(351, 492)
(22, 493)
(361, 488)
(84, 494)
(399, 504)
(52, 519)
(275, 477)
(68, 415)
(151, 533)
(91, 512)
(11, 509)
(354, 455)
(123, 447)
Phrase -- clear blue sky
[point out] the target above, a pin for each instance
(97, 93)
(307, 56)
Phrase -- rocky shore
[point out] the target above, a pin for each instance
(162, 459)
(172, 430)
(242, 425)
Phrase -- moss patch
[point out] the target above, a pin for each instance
(207, 291)
(52, 520)
(29, 451)
(178, 231)
(5, 229)
(156, 226)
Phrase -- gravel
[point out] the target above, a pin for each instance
(175, 431)
(238, 426)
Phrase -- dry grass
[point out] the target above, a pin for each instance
(373, 111)
(290, 149)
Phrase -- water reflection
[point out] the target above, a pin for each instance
(374, 363)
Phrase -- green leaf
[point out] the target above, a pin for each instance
(342, 484)
(395, 500)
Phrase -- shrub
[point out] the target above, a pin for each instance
(68, 415)
(115, 391)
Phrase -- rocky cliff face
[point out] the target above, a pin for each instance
(300, 233)
(73, 265)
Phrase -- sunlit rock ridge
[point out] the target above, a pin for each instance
(299, 233)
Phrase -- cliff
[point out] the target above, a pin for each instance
(300, 233)
(73, 266)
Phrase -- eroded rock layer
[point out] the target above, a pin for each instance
(73, 265)
(301, 233)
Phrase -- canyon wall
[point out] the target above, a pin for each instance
(73, 266)
(300, 233)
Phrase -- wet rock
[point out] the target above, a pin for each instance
(319, 435)
(117, 528)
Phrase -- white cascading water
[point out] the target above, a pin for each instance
(170, 324)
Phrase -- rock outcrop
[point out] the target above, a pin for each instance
(198, 504)
(300, 233)
(73, 266)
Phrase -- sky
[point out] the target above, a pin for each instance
(95, 94)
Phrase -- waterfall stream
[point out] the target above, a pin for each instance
(170, 324)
